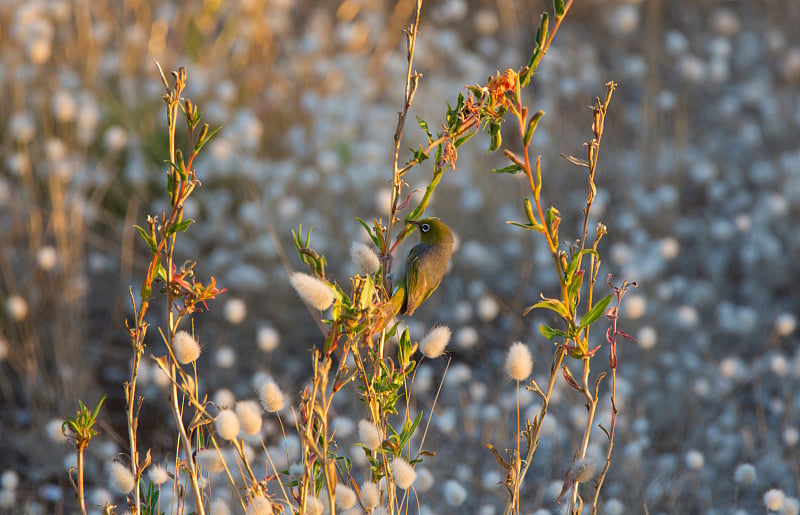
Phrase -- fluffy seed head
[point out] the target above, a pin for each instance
(403, 473)
(120, 478)
(454, 493)
(519, 362)
(345, 497)
(225, 357)
(313, 291)
(694, 459)
(227, 424)
(219, 507)
(791, 506)
(434, 343)
(314, 505)
(224, 398)
(271, 396)
(364, 258)
(235, 311)
(250, 416)
(773, 499)
(186, 348)
(8, 499)
(582, 470)
(53, 430)
(369, 435)
(259, 505)
(47, 257)
(425, 480)
(370, 496)
(210, 460)
(9, 480)
(16, 307)
(158, 474)
(268, 339)
(785, 324)
(791, 436)
(745, 474)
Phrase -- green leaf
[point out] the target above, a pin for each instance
(538, 52)
(180, 226)
(369, 231)
(529, 211)
(542, 32)
(463, 139)
(550, 333)
(574, 283)
(205, 138)
(598, 309)
(559, 8)
(532, 124)
(408, 430)
(145, 292)
(457, 119)
(530, 227)
(552, 305)
(161, 272)
(420, 155)
(512, 169)
(148, 239)
(170, 183)
(405, 349)
(366, 294)
(450, 115)
(496, 137)
(424, 126)
(181, 168)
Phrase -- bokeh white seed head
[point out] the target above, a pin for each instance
(17, 307)
(225, 357)
(224, 398)
(210, 460)
(235, 311)
(259, 505)
(220, 507)
(774, 499)
(268, 339)
(9, 480)
(425, 480)
(454, 493)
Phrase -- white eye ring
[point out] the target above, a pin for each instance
(425, 227)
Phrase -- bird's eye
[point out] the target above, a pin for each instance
(425, 227)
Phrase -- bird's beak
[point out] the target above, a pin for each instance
(414, 222)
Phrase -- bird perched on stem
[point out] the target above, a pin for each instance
(425, 268)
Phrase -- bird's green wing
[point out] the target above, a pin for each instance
(417, 289)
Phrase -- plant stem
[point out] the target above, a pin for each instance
(81, 492)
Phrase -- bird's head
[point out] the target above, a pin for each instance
(433, 231)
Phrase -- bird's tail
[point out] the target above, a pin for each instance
(389, 310)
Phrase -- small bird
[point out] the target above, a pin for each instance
(425, 266)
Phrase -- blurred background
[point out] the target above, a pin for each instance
(698, 183)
